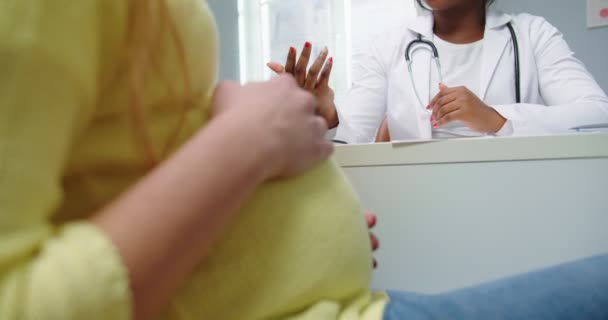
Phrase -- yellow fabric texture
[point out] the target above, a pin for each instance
(298, 250)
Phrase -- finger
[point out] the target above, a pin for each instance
(290, 64)
(445, 99)
(374, 241)
(371, 219)
(433, 102)
(446, 90)
(276, 67)
(302, 64)
(446, 109)
(447, 118)
(443, 91)
(326, 73)
(315, 69)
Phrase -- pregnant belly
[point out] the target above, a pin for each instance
(295, 243)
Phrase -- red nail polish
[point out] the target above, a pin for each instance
(292, 49)
(428, 107)
(331, 60)
(375, 264)
(435, 125)
(307, 45)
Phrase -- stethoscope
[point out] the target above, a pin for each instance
(421, 43)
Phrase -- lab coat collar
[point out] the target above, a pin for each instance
(423, 23)
(496, 19)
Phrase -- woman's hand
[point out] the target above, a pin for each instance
(260, 131)
(371, 222)
(315, 81)
(459, 103)
(280, 119)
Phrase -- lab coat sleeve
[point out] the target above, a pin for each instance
(572, 97)
(364, 108)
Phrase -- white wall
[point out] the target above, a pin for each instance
(591, 46)
(226, 15)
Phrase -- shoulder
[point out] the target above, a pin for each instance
(391, 41)
(62, 35)
(540, 33)
(534, 25)
(64, 32)
(391, 36)
(28, 22)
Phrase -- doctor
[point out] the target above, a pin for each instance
(495, 74)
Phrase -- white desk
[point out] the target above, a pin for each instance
(461, 212)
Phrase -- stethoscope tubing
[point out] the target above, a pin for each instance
(419, 43)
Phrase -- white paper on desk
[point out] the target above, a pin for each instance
(601, 127)
(402, 143)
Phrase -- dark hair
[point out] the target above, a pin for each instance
(423, 6)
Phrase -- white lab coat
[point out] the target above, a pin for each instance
(558, 93)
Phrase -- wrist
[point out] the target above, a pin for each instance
(244, 144)
(496, 121)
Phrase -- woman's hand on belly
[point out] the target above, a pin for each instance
(281, 118)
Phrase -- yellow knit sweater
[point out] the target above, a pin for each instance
(298, 249)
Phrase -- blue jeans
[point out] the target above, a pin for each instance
(577, 290)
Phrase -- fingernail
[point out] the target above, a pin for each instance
(428, 107)
(435, 125)
(375, 264)
(325, 50)
(307, 45)
(331, 60)
(292, 49)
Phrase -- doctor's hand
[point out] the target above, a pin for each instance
(315, 80)
(459, 103)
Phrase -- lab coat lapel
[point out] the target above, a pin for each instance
(422, 24)
(422, 64)
(496, 39)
